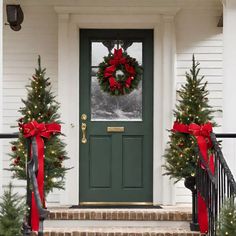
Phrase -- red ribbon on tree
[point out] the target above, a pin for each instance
(202, 135)
(39, 131)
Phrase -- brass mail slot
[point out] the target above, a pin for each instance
(115, 129)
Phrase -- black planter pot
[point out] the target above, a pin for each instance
(190, 183)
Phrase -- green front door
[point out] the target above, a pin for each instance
(116, 164)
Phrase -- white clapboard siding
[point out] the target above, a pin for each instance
(197, 33)
(38, 36)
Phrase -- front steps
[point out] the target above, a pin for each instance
(124, 231)
(169, 221)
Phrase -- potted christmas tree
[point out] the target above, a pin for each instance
(40, 112)
(192, 107)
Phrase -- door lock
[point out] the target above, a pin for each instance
(84, 117)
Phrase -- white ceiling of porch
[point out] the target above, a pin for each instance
(203, 4)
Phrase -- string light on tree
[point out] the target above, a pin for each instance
(227, 219)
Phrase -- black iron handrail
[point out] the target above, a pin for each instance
(225, 135)
(216, 188)
(9, 135)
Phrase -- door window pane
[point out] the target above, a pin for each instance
(105, 107)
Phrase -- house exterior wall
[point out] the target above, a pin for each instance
(21, 49)
(195, 32)
(229, 94)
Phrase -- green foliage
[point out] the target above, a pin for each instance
(41, 106)
(227, 220)
(11, 213)
(192, 107)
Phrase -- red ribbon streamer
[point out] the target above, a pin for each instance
(202, 135)
(39, 131)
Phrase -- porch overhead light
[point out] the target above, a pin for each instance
(15, 16)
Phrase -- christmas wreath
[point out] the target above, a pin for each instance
(119, 73)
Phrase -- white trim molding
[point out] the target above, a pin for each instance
(161, 20)
(229, 95)
(108, 10)
(229, 39)
(1, 91)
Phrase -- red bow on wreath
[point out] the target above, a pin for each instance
(109, 71)
(202, 135)
(39, 131)
(118, 58)
(130, 70)
(114, 84)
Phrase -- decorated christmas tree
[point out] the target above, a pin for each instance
(42, 107)
(227, 220)
(11, 213)
(192, 107)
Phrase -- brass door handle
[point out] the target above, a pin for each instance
(83, 128)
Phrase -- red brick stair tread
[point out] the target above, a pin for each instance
(121, 214)
(117, 231)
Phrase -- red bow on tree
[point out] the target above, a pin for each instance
(202, 135)
(39, 131)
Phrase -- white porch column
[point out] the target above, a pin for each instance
(169, 52)
(229, 80)
(1, 93)
(67, 60)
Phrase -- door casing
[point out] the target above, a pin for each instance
(162, 22)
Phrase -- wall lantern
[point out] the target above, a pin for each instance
(15, 16)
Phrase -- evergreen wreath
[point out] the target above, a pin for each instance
(119, 73)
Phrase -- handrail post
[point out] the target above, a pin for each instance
(190, 183)
(194, 226)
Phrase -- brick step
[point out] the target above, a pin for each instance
(165, 214)
(116, 231)
(124, 231)
(76, 218)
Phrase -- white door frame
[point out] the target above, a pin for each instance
(161, 20)
(1, 94)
